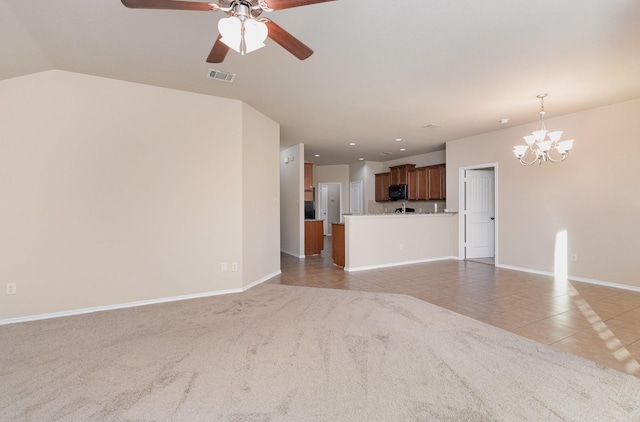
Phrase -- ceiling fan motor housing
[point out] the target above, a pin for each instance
(244, 9)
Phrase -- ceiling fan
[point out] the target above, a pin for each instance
(244, 30)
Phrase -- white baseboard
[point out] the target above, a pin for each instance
(275, 273)
(573, 278)
(293, 254)
(134, 304)
(396, 264)
(261, 280)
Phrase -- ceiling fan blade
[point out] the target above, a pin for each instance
(286, 4)
(288, 41)
(218, 51)
(167, 4)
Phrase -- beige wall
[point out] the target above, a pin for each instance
(260, 196)
(428, 159)
(358, 172)
(366, 171)
(115, 193)
(334, 174)
(592, 195)
(292, 200)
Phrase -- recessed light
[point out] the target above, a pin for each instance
(403, 149)
(504, 121)
(351, 144)
(398, 139)
(317, 155)
(361, 159)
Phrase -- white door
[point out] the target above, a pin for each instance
(479, 214)
(355, 197)
(323, 205)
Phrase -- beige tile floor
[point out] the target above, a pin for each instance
(596, 322)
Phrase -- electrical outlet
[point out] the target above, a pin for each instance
(234, 266)
(574, 257)
(11, 289)
(223, 267)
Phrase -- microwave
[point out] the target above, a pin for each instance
(397, 192)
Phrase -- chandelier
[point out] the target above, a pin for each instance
(540, 150)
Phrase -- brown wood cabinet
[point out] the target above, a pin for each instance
(399, 175)
(436, 180)
(382, 187)
(418, 184)
(427, 183)
(423, 183)
(337, 244)
(308, 181)
(313, 237)
(412, 185)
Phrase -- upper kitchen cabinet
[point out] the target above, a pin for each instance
(436, 182)
(400, 174)
(418, 184)
(382, 186)
(308, 181)
(427, 183)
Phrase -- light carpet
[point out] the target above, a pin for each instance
(284, 353)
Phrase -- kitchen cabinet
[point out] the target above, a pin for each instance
(412, 185)
(308, 181)
(418, 184)
(313, 237)
(382, 186)
(337, 244)
(427, 183)
(436, 182)
(423, 183)
(399, 175)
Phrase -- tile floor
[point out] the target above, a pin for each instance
(596, 322)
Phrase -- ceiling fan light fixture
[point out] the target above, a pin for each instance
(242, 35)
(244, 31)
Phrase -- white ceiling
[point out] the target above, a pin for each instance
(381, 69)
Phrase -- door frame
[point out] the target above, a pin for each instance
(462, 250)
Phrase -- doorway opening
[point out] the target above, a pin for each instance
(478, 216)
(329, 204)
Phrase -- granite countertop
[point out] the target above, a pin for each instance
(399, 213)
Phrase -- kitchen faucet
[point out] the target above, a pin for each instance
(404, 208)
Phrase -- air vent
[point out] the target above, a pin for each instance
(386, 153)
(221, 76)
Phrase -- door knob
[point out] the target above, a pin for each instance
(492, 218)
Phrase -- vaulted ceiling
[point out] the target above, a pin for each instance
(424, 71)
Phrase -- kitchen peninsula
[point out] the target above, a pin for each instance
(384, 240)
